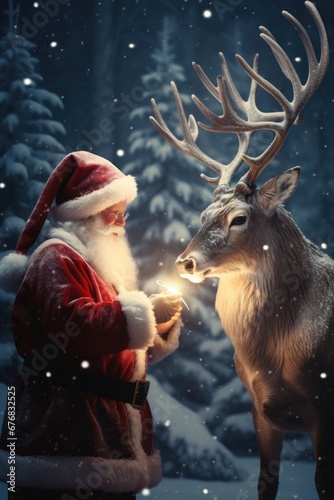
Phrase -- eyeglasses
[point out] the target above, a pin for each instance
(120, 215)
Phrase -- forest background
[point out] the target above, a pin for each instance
(79, 75)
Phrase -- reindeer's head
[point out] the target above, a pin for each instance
(236, 228)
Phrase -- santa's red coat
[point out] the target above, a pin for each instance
(65, 314)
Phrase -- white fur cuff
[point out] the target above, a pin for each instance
(163, 348)
(140, 318)
(90, 473)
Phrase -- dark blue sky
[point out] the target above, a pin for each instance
(68, 46)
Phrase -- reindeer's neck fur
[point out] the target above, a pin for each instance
(269, 296)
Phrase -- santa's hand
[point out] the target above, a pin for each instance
(165, 306)
(165, 327)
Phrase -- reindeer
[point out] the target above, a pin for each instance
(275, 296)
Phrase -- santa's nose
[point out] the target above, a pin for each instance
(121, 220)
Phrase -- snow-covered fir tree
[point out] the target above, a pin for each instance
(164, 217)
(171, 193)
(29, 150)
(166, 187)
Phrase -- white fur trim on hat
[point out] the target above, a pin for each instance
(124, 188)
(138, 310)
(12, 270)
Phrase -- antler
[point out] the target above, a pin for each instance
(231, 101)
(188, 145)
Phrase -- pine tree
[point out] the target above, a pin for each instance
(28, 153)
(29, 148)
(166, 215)
(171, 194)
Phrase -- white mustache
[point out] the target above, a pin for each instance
(106, 230)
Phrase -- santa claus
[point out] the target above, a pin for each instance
(83, 426)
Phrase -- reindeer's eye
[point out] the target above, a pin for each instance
(239, 220)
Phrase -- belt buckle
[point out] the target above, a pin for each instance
(140, 394)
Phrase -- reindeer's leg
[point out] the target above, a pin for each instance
(270, 442)
(323, 446)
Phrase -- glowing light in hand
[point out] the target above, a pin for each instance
(171, 289)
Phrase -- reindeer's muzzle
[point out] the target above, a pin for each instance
(185, 266)
(188, 268)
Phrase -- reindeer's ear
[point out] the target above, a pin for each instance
(278, 190)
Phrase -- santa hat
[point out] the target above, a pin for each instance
(83, 184)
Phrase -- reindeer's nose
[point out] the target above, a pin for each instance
(185, 266)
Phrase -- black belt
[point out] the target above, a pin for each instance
(134, 393)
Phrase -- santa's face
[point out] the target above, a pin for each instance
(115, 215)
(107, 248)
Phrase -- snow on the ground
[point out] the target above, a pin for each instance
(296, 483)
(189, 447)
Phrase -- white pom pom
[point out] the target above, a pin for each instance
(12, 270)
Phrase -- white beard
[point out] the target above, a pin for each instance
(107, 251)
